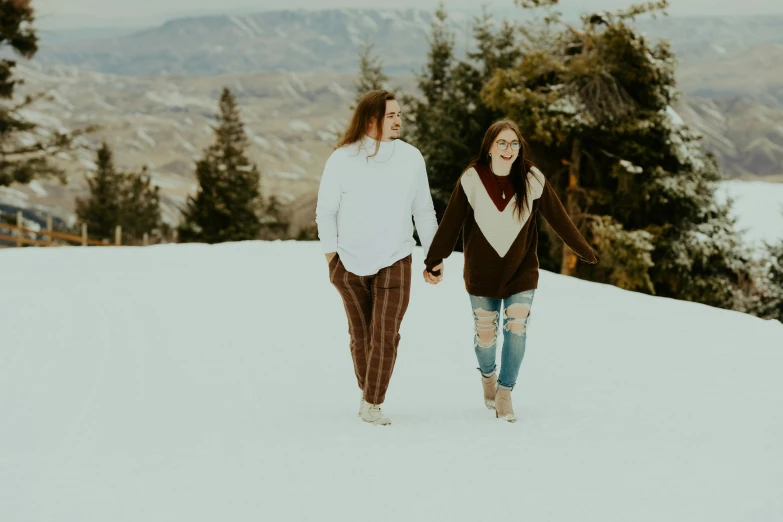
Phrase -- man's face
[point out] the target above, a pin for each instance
(392, 121)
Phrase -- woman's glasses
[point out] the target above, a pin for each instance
(503, 145)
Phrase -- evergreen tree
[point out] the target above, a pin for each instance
(594, 102)
(140, 208)
(102, 210)
(117, 198)
(24, 155)
(228, 204)
(371, 76)
(275, 220)
(770, 305)
(447, 123)
(430, 124)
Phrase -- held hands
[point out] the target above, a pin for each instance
(429, 278)
(434, 279)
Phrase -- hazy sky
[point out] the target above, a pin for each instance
(82, 13)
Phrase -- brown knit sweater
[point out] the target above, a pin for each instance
(499, 247)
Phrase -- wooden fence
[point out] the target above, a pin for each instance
(22, 236)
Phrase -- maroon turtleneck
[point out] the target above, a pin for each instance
(496, 186)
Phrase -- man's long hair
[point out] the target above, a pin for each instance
(520, 167)
(372, 107)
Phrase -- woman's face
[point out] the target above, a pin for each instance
(509, 139)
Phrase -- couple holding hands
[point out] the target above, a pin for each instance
(373, 184)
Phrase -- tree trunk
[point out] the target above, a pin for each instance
(568, 265)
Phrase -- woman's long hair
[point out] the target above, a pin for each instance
(519, 168)
(371, 107)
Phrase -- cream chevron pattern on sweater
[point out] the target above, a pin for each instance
(500, 228)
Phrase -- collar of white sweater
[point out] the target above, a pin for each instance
(385, 148)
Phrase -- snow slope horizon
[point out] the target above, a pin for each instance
(194, 382)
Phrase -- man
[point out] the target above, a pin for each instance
(371, 186)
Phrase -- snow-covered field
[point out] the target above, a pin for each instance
(196, 383)
(758, 207)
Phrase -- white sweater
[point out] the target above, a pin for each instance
(365, 205)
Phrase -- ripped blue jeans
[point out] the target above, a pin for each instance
(516, 313)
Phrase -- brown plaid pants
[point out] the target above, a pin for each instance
(375, 306)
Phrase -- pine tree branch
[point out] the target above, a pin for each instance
(57, 143)
(28, 100)
(652, 8)
(536, 4)
(25, 170)
(16, 27)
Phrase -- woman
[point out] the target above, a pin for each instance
(496, 202)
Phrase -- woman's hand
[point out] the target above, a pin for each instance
(434, 279)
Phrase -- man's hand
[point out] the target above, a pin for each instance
(433, 279)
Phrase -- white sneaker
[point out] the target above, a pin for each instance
(372, 414)
(361, 404)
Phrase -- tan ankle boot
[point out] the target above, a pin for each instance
(490, 386)
(503, 408)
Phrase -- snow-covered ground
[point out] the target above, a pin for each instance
(196, 383)
(758, 207)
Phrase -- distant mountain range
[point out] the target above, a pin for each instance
(734, 97)
(154, 92)
(729, 68)
(267, 41)
(292, 121)
(329, 40)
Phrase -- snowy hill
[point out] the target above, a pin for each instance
(188, 382)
